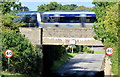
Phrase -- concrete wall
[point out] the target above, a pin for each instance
(33, 34)
(61, 36)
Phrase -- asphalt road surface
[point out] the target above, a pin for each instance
(83, 65)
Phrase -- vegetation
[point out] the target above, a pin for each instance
(119, 39)
(25, 54)
(62, 60)
(6, 74)
(114, 60)
(63, 57)
(7, 22)
(8, 7)
(69, 7)
(25, 8)
(27, 57)
(86, 50)
(107, 27)
(99, 52)
(55, 6)
(83, 8)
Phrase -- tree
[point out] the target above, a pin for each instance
(49, 7)
(111, 28)
(73, 6)
(83, 8)
(107, 28)
(7, 22)
(55, 6)
(100, 11)
(8, 7)
(25, 55)
(69, 7)
(25, 8)
(26, 58)
(66, 7)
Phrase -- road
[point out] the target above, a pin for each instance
(87, 65)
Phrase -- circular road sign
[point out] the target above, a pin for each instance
(8, 53)
(109, 50)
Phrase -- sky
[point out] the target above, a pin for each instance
(32, 4)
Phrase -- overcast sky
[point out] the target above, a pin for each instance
(32, 4)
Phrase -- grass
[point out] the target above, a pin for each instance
(114, 60)
(63, 60)
(85, 52)
(102, 63)
(97, 52)
(6, 74)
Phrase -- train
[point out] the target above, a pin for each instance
(57, 18)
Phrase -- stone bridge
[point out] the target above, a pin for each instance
(61, 36)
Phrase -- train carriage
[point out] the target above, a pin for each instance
(57, 18)
(68, 19)
(30, 18)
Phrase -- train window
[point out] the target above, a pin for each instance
(30, 20)
(90, 19)
(70, 20)
(49, 19)
(44, 19)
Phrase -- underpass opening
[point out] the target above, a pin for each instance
(51, 53)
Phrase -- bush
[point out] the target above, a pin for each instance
(90, 51)
(26, 57)
(114, 60)
(85, 48)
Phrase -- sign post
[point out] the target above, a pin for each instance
(109, 51)
(8, 64)
(8, 53)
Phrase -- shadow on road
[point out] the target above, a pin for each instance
(80, 74)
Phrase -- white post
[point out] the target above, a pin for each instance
(72, 49)
(66, 52)
(8, 64)
(92, 47)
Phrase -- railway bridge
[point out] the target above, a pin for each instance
(49, 37)
(61, 36)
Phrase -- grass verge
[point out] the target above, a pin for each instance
(102, 67)
(62, 60)
(114, 60)
(6, 74)
(96, 52)
(99, 52)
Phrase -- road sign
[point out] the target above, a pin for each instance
(109, 50)
(8, 53)
(67, 48)
(72, 42)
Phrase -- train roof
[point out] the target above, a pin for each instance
(29, 12)
(69, 12)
